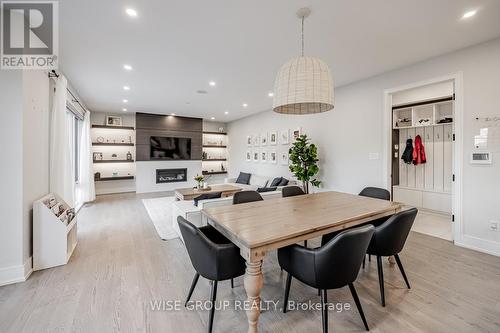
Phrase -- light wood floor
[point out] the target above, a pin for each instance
(120, 265)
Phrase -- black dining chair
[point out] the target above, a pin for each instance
(388, 240)
(371, 192)
(246, 196)
(332, 266)
(213, 256)
(291, 191)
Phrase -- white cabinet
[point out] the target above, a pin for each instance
(436, 201)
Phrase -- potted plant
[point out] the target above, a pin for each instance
(303, 162)
(199, 179)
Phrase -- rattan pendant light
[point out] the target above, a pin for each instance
(303, 85)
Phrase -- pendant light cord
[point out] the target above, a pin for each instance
(302, 35)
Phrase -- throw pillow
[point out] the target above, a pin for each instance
(284, 182)
(206, 196)
(243, 178)
(266, 189)
(276, 181)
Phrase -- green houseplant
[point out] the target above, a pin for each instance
(199, 179)
(303, 162)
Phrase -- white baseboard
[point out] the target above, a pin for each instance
(15, 274)
(478, 244)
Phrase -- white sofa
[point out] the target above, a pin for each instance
(190, 212)
(256, 181)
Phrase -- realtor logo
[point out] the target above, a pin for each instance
(29, 35)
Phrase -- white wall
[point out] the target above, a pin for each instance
(432, 91)
(24, 119)
(11, 176)
(35, 148)
(349, 134)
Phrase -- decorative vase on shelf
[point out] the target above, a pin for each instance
(129, 156)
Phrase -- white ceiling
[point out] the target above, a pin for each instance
(177, 47)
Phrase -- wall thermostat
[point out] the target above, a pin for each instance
(480, 158)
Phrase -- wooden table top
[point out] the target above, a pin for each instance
(213, 188)
(259, 224)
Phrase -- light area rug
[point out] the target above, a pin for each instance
(160, 213)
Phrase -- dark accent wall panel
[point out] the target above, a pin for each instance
(148, 125)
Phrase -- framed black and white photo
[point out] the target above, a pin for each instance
(273, 158)
(249, 140)
(273, 138)
(113, 121)
(296, 133)
(256, 140)
(284, 158)
(263, 156)
(284, 138)
(249, 155)
(263, 139)
(256, 156)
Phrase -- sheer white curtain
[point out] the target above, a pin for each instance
(61, 171)
(85, 188)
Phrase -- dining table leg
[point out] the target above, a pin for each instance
(253, 285)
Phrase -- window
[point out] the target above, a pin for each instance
(75, 128)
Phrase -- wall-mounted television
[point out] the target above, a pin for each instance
(170, 148)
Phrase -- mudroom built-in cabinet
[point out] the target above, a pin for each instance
(425, 185)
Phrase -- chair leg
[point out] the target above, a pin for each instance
(287, 291)
(324, 312)
(400, 265)
(305, 243)
(213, 295)
(193, 285)
(381, 279)
(232, 283)
(358, 305)
(370, 258)
(364, 259)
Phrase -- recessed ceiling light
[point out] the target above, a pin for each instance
(270, 94)
(125, 101)
(226, 112)
(172, 114)
(469, 14)
(126, 88)
(127, 67)
(213, 118)
(245, 105)
(211, 83)
(124, 110)
(131, 12)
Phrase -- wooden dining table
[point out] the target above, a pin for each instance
(258, 227)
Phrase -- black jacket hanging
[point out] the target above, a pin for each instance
(407, 156)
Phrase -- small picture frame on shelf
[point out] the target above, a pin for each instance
(284, 158)
(284, 137)
(97, 156)
(263, 156)
(273, 158)
(249, 141)
(249, 155)
(256, 156)
(273, 138)
(113, 121)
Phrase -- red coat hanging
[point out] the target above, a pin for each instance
(419, 151)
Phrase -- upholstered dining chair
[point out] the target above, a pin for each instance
(328, 267)
(388, 240)
(246, 196)
(213, 256)
(292, 191)
(371, 192)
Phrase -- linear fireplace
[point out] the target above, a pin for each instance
(171, 175)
